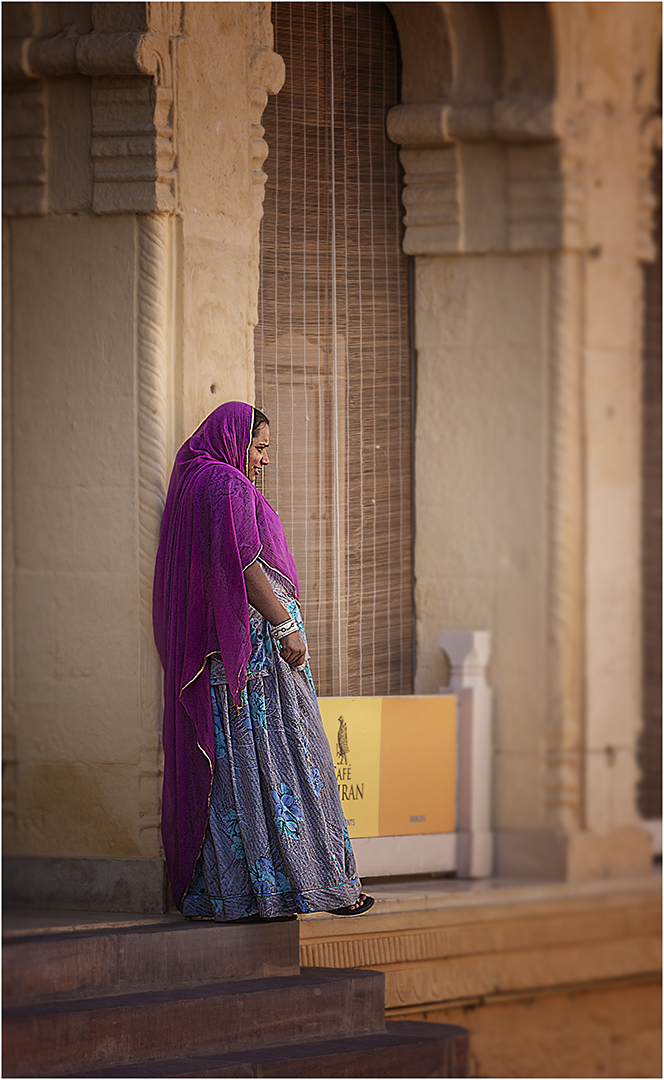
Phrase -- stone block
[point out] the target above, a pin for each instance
(87, 884)
(622, 852)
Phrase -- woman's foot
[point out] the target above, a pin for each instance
(363, 904)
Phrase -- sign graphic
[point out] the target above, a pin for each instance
(395, 760)
(352, 726)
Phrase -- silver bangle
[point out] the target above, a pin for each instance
(285, 628)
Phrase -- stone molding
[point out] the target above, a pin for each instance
(468, 652)
(24, 141)
(541, 177)
(467, 945)
(153, 397)
(437, 123)
(482, 938)
(96, 54)
(133, 120)
(133, 146)
(266, 75)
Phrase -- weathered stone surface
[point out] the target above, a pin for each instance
(595, 1030)
(54, 1037)
(85, 884)
(158, 956)
(405, 1049)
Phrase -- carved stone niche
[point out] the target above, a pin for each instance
(133, 149)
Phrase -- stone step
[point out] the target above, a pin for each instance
(55, 1037)
(154, 956)
(406, 1048)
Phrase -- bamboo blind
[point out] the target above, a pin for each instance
(332, 347)
(650, 746)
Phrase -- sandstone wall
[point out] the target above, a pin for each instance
(131, 295)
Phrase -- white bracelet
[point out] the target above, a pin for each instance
(284, 629)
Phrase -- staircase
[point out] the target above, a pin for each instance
(163, 997)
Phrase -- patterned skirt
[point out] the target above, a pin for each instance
(276, 840)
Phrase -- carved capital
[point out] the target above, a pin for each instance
(95, 54)
(431, 200)
(451, 150)
(133, 148)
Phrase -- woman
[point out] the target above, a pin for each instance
(251, 818)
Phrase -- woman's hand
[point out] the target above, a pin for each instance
(293, 650)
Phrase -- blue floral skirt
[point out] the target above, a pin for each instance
(276, 840)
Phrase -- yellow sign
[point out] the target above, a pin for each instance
(352, 726)
(395, 760)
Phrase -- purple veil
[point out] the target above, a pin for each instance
(215, 524)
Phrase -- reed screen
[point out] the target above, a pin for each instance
(332, 345)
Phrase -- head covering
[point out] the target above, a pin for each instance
(215, 524)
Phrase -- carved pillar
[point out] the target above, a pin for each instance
(154, 391)
(564, 729)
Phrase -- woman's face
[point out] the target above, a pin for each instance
(258, 452)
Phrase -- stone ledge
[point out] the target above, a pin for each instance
(450, 940)
(530, 993)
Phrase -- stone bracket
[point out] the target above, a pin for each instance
(492, 177)
(133, 146)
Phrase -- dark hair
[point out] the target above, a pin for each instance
(259, 419)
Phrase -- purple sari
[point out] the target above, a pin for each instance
(215, 525)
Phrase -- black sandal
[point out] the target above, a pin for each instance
(348, 912)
